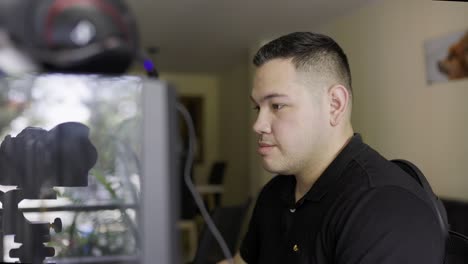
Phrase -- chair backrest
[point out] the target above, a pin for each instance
(438, 206)
(217, 173)
(229, 221)
(457, 244)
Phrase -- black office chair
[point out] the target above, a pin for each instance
(217, 177)
(456, 251)
(229, 221)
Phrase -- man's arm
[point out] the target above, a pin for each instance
(237, 260)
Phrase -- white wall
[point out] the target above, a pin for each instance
(395, 110)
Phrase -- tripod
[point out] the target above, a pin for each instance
(32, 235)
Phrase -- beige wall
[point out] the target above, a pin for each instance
(234, 127)
(395, 110)
(207, 86)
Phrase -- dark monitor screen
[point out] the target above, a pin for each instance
(125, 209)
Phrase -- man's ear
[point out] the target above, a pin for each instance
(339, 98)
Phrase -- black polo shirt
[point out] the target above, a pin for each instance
(362, 209)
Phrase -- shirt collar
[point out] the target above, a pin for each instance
(331, 174)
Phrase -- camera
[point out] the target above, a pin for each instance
(37, 160)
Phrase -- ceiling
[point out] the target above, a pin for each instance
(209, 36)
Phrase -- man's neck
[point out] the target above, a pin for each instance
(306, 179)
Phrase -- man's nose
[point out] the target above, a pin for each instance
(262, 124)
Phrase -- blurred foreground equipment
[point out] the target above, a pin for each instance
(79, 36)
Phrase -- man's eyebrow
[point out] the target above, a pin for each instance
(268, 96)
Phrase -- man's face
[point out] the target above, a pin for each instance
(292, 120)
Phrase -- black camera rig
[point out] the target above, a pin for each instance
(35, 161)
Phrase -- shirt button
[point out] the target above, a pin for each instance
(292, 210)
(295, 248)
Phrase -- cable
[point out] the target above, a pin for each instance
(191, 187)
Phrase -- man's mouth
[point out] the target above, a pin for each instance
(264, 148)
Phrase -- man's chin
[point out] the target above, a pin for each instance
(273, 169)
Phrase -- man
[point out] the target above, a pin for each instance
(335, 200)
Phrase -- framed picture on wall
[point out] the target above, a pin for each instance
(194, 105)
(447, 57)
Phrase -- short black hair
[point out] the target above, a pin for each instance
(308, 50)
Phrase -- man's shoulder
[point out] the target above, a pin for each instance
(378, 171)
(370, 172)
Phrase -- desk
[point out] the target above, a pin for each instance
(210, 189)
(191, 227)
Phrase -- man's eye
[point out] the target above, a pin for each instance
(277, 106)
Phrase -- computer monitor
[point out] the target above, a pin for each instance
(129, 209)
